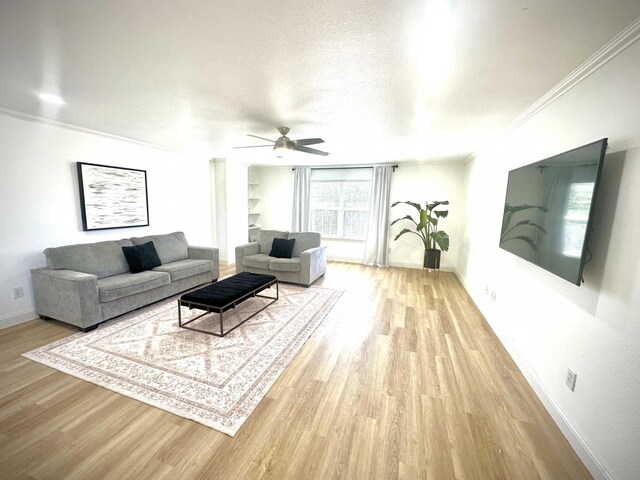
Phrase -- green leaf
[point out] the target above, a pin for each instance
(406, 230)
(407, 217)
(433, 205)
(442, 239)
(441, 213)
(413, 204)
(423, 219)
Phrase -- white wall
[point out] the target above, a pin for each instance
(275, 191)
(236, 176)
(228, 202)
(548, 324)
(414, 181)
(40, 207)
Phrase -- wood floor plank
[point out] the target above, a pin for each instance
(403, 380)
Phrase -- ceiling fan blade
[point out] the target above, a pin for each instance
(311, 150)
(308, 141)
(261, 138)
(255, 146)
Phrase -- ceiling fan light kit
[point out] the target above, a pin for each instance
(284, 147)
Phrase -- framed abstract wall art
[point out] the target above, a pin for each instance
(112, 197)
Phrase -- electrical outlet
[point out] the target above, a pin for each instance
(18, 293)
(486, 290)
(493, 297)
(571, 380)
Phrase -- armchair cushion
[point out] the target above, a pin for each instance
(261, 260)
(304, 241)
(285, 264)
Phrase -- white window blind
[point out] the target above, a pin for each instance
(339, 204)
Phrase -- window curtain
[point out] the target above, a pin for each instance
(301, 193)
(376, 247)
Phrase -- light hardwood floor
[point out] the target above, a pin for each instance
(404, 379)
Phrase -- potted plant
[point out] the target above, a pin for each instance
(427, 230)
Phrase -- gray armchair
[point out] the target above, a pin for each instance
(308, 261)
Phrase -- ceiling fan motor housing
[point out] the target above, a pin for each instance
(284, 145)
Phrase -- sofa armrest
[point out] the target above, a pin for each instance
(206, 253)
(67, 295)
(244, 250)
(313, 264)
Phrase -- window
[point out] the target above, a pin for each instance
(575, 220)
(339, 202)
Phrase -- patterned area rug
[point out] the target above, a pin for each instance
(215, 381)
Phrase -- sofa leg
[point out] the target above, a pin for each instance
(43, 317)
(88, 329)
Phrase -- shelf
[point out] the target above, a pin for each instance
(254, 213)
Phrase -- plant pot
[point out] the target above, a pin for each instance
(432, 258)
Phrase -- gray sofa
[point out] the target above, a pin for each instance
(308, 261)
(89, 283)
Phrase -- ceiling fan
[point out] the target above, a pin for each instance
(284, 146)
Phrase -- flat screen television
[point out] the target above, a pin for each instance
(549, 209)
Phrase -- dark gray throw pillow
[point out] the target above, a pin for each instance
(282, 248)
(142, 257)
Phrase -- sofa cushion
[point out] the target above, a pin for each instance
(282, 248)
(285, 264)
(304, 241)
(141, 257)
(170, 247)
(266, 239)
(185, 268)
(260, 260)
(102, 259)
(119, 286)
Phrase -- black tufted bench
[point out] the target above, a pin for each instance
(226, 294)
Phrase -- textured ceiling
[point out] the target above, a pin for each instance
(379, 80)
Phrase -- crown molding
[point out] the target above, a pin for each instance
(68, 126)
(627, 37)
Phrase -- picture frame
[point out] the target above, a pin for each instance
(112, 197)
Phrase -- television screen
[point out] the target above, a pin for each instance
(549, 207)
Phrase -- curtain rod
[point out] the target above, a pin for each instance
(393, 167)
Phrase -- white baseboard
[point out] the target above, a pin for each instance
(583, 449)
(418, 266)
(16, 318)
(332, 258)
